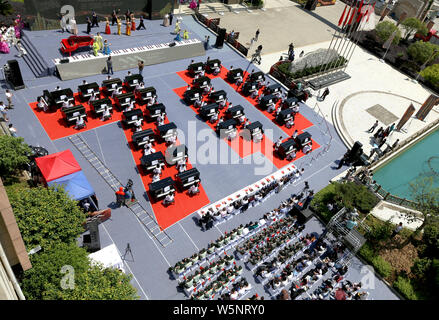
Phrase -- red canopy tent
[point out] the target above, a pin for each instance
(57, 165)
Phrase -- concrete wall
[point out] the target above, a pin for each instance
(412, 7)
(7, 291)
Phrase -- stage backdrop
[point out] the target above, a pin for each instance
(43, 14)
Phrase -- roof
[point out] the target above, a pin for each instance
(57, 165)
(109, 257)
(75, 184)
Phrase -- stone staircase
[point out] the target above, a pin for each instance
(33, 59)
(210, 8)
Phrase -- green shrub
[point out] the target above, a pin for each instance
(412, 25)
(422, 268)
(380, 231)
(382, 266)
(422, 51)
(321, 199)
(404, 286)
(385, 29)
(352, 195)
(367, 252)
(13, 155)
(431, 74)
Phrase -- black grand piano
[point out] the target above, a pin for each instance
(195, 68)
(255, 128)
(303, 139)
(208, 110)
(234, 74)
(212, 64)
(132, 81)
(234, 112)
(132, 116)
(227, 126)
(86, 90)
(257, 76)
(123, 100)
(162, 188)
(274, 88)
(193, 94)
(249, 87)
(167, 130)
(56, 98)
(110, 85)
(290, 102)
(287, 147)
(72, 114)
(285, 115)
(218, 96)
(150, 161)
(175, 154)
(99, 106)
(301, 95)
(187, 178)
(266, 101)
(201, 82)
(145, 94)
(140, 138)
(153, 111)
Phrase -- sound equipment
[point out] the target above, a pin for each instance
(13, 74)
(356, 151)
(303, 215)
(92, 242)
(311, 5)
(220, 38)
(172, 44)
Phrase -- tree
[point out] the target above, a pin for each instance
(413, 25)
(427, 199)
(352, 195)
(385, 29)
(46, 268)
(13, 155)
(431, 74)
(422, 51)
(5, 8)
(46, 216)
(96, 283)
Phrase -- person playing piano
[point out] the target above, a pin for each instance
(93, 96)
(169, 199)
(151, 100)
(171, 140)
(158, 169)
(258, 137)
(148, 150)
(197, 103)
(116, 92)
(42, 104)
(232, 135)
(216, 70)
(129, 107)
(84, 82)
(80, 123)
(278, 143)
(106, 114)
(182, 168)
(222, 103)
(194, 189)
(66, 103)
(291, 155)
(219, 121)
(290, 123)
(188, 87)
(139, 86)
(138, 125)
(278, 110)
(307, 149)
(214, 117)
(239, 80)
(57, 88)
(254, 94)
(246, 123)
(295, 134)
(271, 108)
(242, 118)
(155, 177)
(296, 108)
(161, 119)
(227, 106)
(260, 97)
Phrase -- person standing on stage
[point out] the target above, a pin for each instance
(119, 26)
(141, 25)
(372, 129)
(107, 49)
(141, 66)
(94, 19)
(107, 26)
(98, 39)
(110, 65)
(257, 35)
(127, 14)
(128, 27)
(133, 22)
(114, 16)
(88, 25)
(171, 16)
(9, 95)
(325, 93)
(73, 26)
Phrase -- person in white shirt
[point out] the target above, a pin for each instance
(188, 87)
(158, 169)
(278, 110)
(161, 119)
(182, 168)
(254, 94)
(57, 88)
(214, 117)
(239, 80)
(79, 123)
(116, 92)
(233, 134)
(148, 150)
(278, 143)
(307, 149)
(228, 106)
(12, 130)
(222, 103)
(151, 101)
(156, 177)
(290, 123)
(295, 134)
(230, 209)
(138, 125)
(216, 70)
(242, 118)
(291, 156)
(42, 104)
(66, 103)
(130, 107)
(171, 139)
(271, 108)
(194, 189)
(258, 137)
(219, 121)
(197, 103)
(168, 199)
(3, 111)
(84, 82)
(93, 96)
(296, 108)
(140, 86)
(106, 114)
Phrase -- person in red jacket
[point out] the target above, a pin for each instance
(120, 197)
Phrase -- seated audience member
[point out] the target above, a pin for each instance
(42, 104)
(106, 114)
(168, 199)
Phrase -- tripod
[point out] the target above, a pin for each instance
(128, 250)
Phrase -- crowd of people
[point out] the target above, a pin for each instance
(11, 35)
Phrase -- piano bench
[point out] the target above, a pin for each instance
(168, 203)
(193, 194)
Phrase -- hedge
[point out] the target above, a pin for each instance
(404, 286)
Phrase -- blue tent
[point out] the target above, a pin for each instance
(75, 184)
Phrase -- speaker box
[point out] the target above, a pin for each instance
(311, 5)
(13, 75)
(220, 39)
(356, 150)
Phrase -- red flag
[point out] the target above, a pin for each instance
(342, 15)
(347, 16)
(352, 16)
(360, 16)
(361, 5)
(370, 12)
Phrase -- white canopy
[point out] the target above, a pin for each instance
(109, 257)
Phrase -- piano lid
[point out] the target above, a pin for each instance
(161, 184)
(252, 126)
(188, 173)
(164, 128)
(147, 159)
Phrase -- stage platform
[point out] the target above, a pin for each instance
(222, 171)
